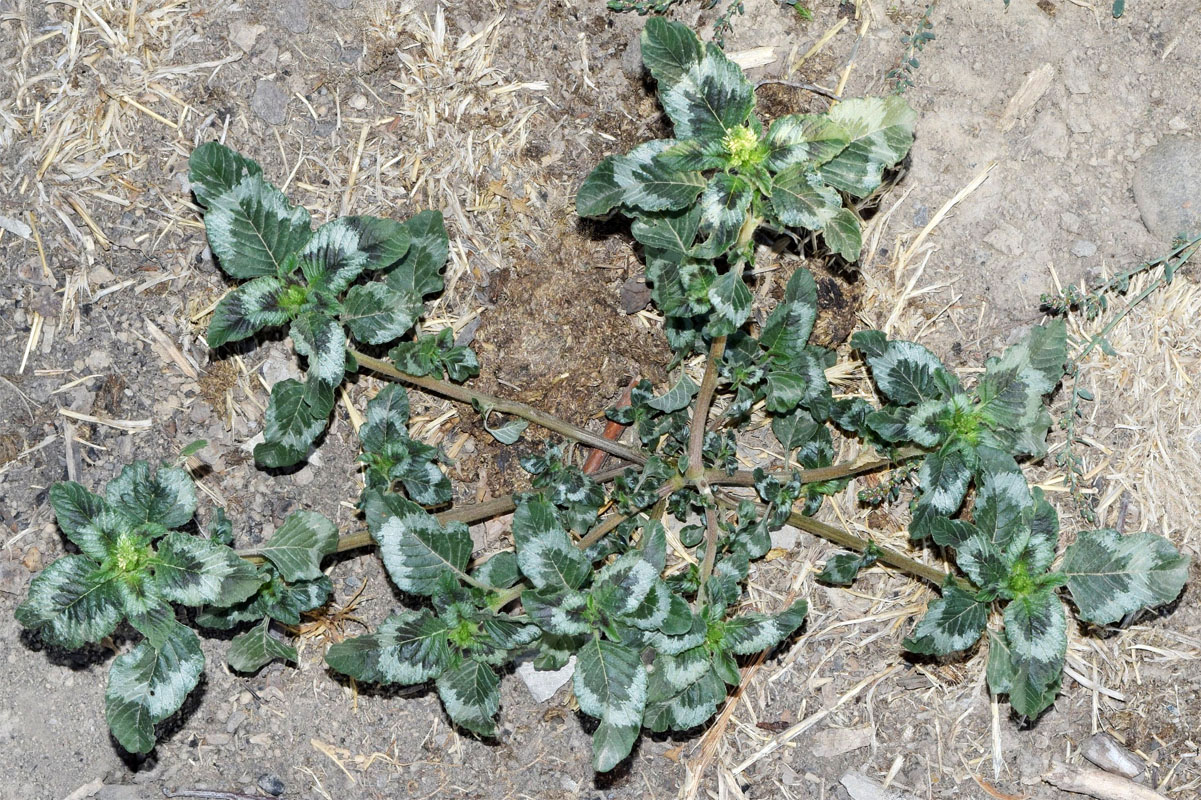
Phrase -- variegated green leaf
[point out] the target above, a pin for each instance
(409, 647)
(214, 169)
(669, 50)
(419, 272)
(843, 234)
(668, 234)
(905, 372)
(323, 342)
(620, 587)
(879, 132)
(1036, 631)
(800, 199)
(751, 632)
(1004, 677)
(683, 691)
(470, 694)
(724, 205)
(676, 398)
(289, 426)
(803, 138)
(710, 99)
(386, 426)
(1001, 500)
(731, 303)
(1111, 575)
(638, 180)
(788, 327)
(299, 545)
(952, 623)
(167, 497)
(558, 611)
(417, 551)
(500, 571)
(194, 571)
(544, 551)
(382, 241)
(692, 155)
(376, 313)
(71, 602)
(254, 649)
(331, 259)
(1012, 389)
(79, 513)
(247, 310)
(944, 477)
(252, 228)
(610, 685)
(149, 684)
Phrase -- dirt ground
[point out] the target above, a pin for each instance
(494, 112)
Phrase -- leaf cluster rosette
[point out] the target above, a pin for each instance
(135, 564)
(1006, 551)
(692, 196)
(316, 283)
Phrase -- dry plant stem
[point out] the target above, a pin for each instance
(466, 395)
(1098, 783)
(809, 87)
(711, 531)
(600, 531)
(852, 542)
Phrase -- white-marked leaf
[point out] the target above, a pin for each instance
(386, 426)
(382, 241)
(800, 199)
(709, 99)
(1036, 631)
(409, 647)
(331, 259)
(78, 512)
(417, 551)
(557, 610)
(788, 327)
(289, 426)
(731, 302)
(545, 552)
(167, 497)
(879, 132)
(669, 49)
(952, 623)
(724, 205)
(1111, 575)
(944, 477)
(500, 571)
(247, 310)
(376, 313)
(677, 397)
(471, 696)
(683, 691)
(610, 685)
(149, 684)
(71, 602)
(906, 372)
(750, 633)
(254, 649)
(668, 234)
(843, 234)
(1001, 500)
(800, 138)
(1012, 389)
(298, 546)
(194, 571)
(252, 228)
(637, 180)
(419, 272)
(214, 169)
(323, 342)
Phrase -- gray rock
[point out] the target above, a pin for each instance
(269, 103)
(271, 784)
(1084, 249)
(544, 683)
(1167, 187)
(244, 35)
(294, 15)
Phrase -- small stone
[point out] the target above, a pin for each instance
(1167, 187)
(244, 36)
(13, 578)
(235, 721)
(271, 784)
(1070, 222)
(1104, 751)
(635, 294)
(32, 559)
(837, 741)
(1006, 239)
(357, 101)
(544, 683)
(785, 538)
(1084, 249)
(217, 739)
(269, 103)
(294, 15)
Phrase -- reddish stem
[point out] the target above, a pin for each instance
(613, 431)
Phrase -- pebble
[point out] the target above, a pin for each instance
(1167, 187)
(1084, 249)
(244, 36)
(357, 101)
(271, 784)
(542, 684)
(294, 15)
(235, 721)
(269, 103)
(13, 578)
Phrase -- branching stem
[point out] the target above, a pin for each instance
(486, 401)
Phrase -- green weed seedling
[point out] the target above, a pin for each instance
(639, 572)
